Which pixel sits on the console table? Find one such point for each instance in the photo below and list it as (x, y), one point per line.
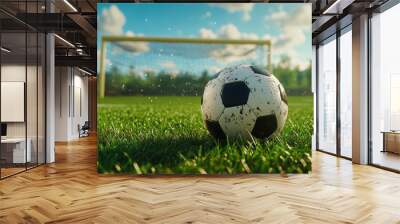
(391, 141)
(13, 150)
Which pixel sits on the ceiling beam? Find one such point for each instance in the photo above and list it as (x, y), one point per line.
(78, 61)
(337, 7)
(83, 23)
(49, 22)
(320, 23)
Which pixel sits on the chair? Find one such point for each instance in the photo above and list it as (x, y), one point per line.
(84, 130)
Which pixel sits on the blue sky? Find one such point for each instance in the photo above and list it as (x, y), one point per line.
(288, 26)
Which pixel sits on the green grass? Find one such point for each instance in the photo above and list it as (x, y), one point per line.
(165, 134)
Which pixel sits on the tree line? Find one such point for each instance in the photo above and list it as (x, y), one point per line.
(118, 83)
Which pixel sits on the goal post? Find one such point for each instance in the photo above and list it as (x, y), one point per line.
(109, 39)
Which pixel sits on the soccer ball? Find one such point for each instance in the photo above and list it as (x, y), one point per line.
(244, 101)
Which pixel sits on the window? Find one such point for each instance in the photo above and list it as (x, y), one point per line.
(22, 77)
(385, 89)
(327, 96)
(346, 93)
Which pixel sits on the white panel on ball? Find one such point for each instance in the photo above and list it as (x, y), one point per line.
(263, 97)
(212, 108)
(238, 121)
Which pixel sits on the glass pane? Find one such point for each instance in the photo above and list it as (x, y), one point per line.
(41, 99)
(80, 103)
(13, 86)
(314, 76)
(327, 97)
(23, 89)
(31, 97)
(386, 89)
(346, 94)
(32, 87)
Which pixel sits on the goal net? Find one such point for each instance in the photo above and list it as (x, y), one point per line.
(168, 66)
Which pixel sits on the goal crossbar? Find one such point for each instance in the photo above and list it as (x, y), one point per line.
(105, 39)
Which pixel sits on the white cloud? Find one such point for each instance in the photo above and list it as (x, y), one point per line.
(277, 16)
(113, 20)
(293, 26)
(233, 53)
(244, 8)
(230, 53)
(230, 31)
(293, 35)
(206, 33)
(134, 47)
(168, 65)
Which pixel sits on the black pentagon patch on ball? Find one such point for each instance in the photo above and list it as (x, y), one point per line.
(283, 94)
(215, 130)
(235, 94)
(265, 126)
(259, 70)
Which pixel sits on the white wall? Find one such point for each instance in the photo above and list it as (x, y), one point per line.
(81, 94)
(70, 83)
(13, 73)
(62, 82)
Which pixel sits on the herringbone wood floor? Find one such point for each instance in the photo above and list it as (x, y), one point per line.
(70, 191)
